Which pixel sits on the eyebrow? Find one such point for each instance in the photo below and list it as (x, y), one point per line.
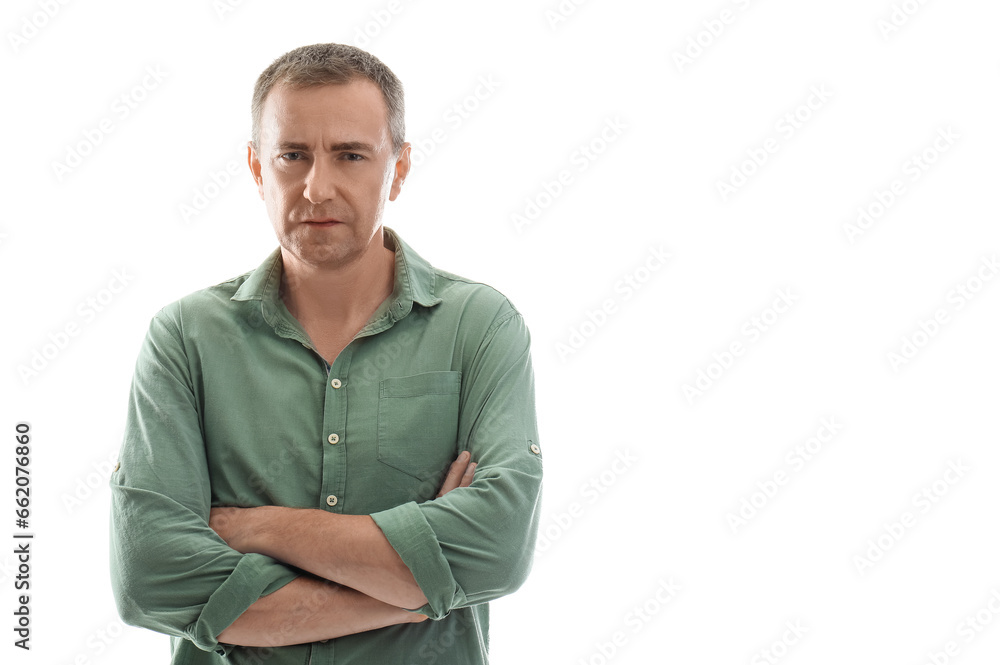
(343, 146)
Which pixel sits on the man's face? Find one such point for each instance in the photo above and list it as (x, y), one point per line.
(325, 169)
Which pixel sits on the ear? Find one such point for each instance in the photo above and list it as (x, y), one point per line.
(402, 170)
(254, 162)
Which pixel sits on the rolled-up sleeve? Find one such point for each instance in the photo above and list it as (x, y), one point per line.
(170, 571)
(475, 544)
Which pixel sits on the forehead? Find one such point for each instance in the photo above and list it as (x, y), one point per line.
(341, 111)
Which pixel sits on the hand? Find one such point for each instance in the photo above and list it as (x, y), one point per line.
(236, 526)
(459, 475)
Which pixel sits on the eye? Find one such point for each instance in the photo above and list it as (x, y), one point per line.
(353, 157)
(292, 156)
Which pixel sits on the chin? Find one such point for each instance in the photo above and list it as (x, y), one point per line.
(329, 255)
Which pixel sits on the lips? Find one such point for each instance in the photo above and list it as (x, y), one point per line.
(323, 221)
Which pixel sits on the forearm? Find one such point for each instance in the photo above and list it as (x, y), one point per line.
(347, 549)
(308, 610)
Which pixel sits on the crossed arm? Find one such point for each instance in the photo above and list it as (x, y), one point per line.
(361, 583)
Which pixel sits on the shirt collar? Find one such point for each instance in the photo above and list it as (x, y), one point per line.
(413, 280)
(414, 275)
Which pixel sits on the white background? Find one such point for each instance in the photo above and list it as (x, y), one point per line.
(611, 532)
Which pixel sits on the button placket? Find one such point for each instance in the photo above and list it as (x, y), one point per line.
(334, 423)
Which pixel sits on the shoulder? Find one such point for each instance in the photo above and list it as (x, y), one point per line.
(208, 305)
(474, 298)
(448, 294)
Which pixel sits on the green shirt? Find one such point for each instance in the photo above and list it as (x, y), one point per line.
(231, 405)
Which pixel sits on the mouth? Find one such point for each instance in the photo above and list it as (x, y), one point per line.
(322, 222)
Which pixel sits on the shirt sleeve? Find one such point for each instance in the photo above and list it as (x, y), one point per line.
(170, 572)
(475, 544)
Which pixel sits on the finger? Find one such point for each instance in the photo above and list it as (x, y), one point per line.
(467, 476)
(455, 472)
(450, 481)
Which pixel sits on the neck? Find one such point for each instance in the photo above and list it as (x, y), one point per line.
(345, 294)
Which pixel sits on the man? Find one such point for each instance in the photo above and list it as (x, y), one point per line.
(332, 458)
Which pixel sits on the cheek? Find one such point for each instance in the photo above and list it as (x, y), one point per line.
(277, 206)
(277, 192)
(384, 187)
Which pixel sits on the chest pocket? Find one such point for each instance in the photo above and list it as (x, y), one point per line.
(418, 422)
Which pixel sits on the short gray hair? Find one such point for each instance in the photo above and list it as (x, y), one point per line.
(324, 64)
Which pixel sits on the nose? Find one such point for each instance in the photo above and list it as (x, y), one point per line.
(319, 185)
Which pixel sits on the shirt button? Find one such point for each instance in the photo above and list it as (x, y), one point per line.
(535, 449)
(333, 438)
(336, 383)
(331, 500)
